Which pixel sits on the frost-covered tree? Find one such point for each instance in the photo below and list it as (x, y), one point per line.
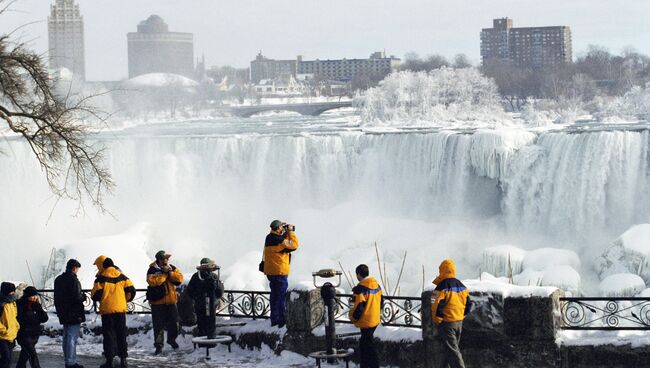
(441, 96)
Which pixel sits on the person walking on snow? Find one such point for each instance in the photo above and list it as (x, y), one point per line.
(277, 258)
(203, 287)
(30, 317)
(9, 325)
(69, 303)
(366, 315)
(112, 289)
(163, 278)
(450, 305)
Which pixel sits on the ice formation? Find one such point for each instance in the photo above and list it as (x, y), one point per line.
(621, 285)
(627, 254)
(503, 260)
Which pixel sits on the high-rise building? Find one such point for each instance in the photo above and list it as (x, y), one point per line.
(154, 49)
(529, 47)
(66, 37)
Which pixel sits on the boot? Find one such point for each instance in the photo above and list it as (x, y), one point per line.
(123, 363)
(174, 345)
(108, 364)
(158, 350)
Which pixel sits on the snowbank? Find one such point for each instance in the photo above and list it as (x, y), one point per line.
(563, 277)
(621, 285)
(509, 290)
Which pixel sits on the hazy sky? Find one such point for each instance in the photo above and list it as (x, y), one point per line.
(233, 31)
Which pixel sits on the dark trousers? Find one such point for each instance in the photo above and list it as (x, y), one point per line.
(279, 285)
(368, 354)
(449, 333)
(28, 352)
(206, 324)
(164, 317)
(5, 353)
(114, 332)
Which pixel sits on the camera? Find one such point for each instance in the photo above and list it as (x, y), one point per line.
(288, 227)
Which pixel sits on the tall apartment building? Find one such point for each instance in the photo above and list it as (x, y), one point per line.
(265, 68)
(533, 47)
(66, 37)
(334, 70)
(154, 49)
(344, 70)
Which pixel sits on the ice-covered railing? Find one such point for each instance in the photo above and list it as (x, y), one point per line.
(603, 313)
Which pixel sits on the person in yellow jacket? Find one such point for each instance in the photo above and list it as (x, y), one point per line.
(451, 303)
(113, 290)
(277, 256)
(9, 325)
(163, 278)
(366, 315)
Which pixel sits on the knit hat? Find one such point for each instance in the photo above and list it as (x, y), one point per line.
(7, 288)
(276, 224)
(30, 291)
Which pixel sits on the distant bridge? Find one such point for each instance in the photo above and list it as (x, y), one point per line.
(312, 109)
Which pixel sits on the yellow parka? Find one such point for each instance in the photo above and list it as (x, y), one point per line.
(169, 280)
(450, 300)
(9, 325)
(366, 310)
(277, 253)
(112, 289)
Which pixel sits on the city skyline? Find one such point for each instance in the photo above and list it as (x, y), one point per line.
(232, 32)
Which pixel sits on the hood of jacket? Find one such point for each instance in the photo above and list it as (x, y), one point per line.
(110, 272)
(446, 270)
(99, 262)
(6, 299)
(369, 282)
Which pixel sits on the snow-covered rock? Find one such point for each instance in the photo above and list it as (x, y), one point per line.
(529, 278)
(627, 254)
(543, 258)
(503, 260)
(621, 285)
(563, 277)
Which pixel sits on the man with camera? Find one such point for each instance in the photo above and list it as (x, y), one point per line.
(163, 278)
(277, 256)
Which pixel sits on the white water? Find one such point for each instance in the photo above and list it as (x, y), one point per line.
(211, 188)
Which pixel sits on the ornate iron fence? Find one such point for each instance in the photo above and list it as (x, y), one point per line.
(605, 313)
(396, 311)
(400, 311)
(245, 304)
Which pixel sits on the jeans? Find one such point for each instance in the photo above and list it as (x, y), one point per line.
(164, 317)
(70, 337)
(279, 285)
(368, 354)
(5, 353)
(28, 352)
(449, 333)
(114, 333)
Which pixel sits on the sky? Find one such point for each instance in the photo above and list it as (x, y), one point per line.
(232, 32)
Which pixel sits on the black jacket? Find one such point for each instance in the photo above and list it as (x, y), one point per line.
(30, 317)
(69, 299)
(204, 284)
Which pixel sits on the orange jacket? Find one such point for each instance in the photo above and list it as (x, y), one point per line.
(112, 289)
(170, 280)
(450, 298)
(366, 311)
(277, 253)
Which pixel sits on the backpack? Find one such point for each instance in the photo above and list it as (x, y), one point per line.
(186, 313)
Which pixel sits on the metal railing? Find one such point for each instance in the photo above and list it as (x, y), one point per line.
(398, 311)
(605, 313)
